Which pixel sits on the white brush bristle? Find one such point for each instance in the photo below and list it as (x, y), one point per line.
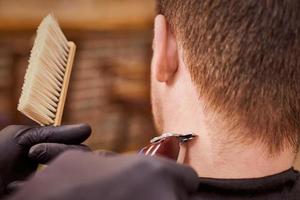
(45, 74)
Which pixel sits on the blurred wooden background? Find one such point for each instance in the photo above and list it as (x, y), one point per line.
(109, 87)
(88, 15)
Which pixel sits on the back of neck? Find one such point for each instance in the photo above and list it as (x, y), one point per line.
(235, 161)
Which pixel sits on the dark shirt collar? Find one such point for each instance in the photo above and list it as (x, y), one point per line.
(273, 182)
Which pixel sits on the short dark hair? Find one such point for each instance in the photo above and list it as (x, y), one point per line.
(244, 58)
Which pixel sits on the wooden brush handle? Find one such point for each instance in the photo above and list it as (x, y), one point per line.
(64, 91)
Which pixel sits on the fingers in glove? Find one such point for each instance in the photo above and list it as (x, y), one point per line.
(68, 134)
(45, 152)
(105, 153)
(14, 186)
(183, 175)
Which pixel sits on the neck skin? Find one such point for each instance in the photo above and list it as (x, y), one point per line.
(238, 162)
(212, 155)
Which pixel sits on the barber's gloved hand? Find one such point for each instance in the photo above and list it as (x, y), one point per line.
(22, 148)
(82, 175)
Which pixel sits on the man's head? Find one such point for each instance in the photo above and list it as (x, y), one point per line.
(243, 61)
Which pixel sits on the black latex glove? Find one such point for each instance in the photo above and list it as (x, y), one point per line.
(22, 148)
(79, 175)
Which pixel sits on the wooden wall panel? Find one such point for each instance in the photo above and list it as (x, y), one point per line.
(89, 15)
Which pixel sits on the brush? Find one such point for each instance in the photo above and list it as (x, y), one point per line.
(48, 74)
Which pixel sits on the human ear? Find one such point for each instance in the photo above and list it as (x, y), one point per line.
(165, 54)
